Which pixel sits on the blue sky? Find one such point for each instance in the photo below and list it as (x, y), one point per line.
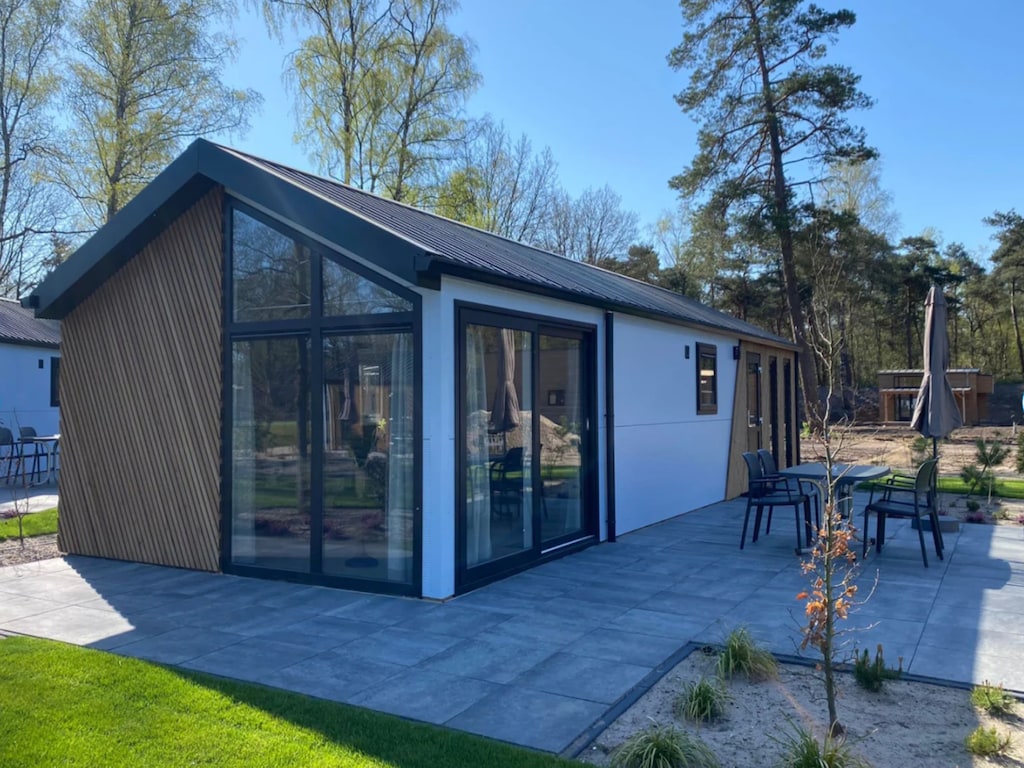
(589, 79)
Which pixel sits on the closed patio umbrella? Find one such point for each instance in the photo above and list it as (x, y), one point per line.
(505, 408)
(936, 413)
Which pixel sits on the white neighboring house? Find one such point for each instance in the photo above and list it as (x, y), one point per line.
(29, 370)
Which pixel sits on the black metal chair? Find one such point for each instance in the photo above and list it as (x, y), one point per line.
(812, 489)
(778, 491)
(10, 458)
(899, 498)
(507, 483)
(31, 451)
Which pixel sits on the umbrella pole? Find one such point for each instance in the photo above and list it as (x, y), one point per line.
(935, 447)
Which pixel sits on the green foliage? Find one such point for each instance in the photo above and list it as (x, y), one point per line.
(663, 747)
(379, 88)
(987, 742)
(72, 706)
(702, 701)
(988, 456)
(801, 749)
(143, 79)
(29, 46)
(920, 451)
(741, 655)
(871, 675)
(32, 524)
(992, 699)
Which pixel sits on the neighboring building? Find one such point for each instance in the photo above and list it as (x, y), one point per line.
(897, 393)
(29, 370)
(273, 374)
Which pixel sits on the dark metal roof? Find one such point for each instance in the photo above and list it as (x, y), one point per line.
(20, 326)
(414, 245)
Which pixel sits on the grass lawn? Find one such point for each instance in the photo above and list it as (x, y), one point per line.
(1005, 488)
(69, 706)
(34, 524)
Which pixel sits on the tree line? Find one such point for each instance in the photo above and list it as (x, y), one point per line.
(782, 218)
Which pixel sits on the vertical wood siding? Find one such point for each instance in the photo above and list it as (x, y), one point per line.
(141, 403)
(736, 478)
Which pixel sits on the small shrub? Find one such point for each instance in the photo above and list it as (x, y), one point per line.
(702, 701)
(972, 505)
(987, 742)
(871, 675)
(741, 655)
(975, 517)
(801, 749)
(920, 451)
(992, 699)
(663, 747)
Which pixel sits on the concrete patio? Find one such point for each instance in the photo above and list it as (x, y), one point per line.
(537, 658)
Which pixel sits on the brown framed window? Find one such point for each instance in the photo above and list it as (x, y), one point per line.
(707, 378)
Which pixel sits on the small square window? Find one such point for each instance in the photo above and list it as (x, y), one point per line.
(707, 378)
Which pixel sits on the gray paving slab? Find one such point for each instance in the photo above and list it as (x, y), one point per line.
(179, 645)
(535, 719)
(399, 646)
(72, 624)
(583, 677)
(491, 657)
(333, 675)
(426, 695)
(627, 647)
(253, 659)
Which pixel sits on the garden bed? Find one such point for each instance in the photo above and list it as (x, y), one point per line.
(906, 724)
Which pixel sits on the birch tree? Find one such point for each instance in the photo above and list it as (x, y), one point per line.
(144, 78)
(29, 31)
(380, 87)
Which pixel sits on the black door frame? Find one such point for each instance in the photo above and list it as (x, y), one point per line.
(315, 328)
(474, 314)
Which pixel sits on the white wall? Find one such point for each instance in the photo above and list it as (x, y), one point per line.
(668, 460)
(439, 392)
(25, 389)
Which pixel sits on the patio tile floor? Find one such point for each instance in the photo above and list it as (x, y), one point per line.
(537, 658)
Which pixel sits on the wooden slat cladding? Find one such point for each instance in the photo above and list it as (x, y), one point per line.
(140, 395)
(736, 477)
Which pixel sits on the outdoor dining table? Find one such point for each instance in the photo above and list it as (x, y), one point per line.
(846, 476)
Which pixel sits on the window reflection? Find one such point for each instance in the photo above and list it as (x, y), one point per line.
(270, 454)
(349, 293)
(270, 272)
(368, 456)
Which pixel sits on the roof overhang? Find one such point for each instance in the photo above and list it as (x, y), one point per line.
(201, 167)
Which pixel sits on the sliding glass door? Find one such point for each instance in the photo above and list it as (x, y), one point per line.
(524, 447)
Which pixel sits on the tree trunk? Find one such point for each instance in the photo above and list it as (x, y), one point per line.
(1016, 323)
(781, 223)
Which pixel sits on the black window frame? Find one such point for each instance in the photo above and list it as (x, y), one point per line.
(315, 328)
(55, 382)
(707, 351)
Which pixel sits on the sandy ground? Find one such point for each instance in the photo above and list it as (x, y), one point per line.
(906, 724)
(14, 552)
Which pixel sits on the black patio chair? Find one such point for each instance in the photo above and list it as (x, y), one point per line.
(810, 487)
(9, 455)
(778, 491)
(899, 498)
(31, 453)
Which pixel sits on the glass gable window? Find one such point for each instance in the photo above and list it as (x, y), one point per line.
(270, 272)
(348, 293)
(707, 378)
(322, 436)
